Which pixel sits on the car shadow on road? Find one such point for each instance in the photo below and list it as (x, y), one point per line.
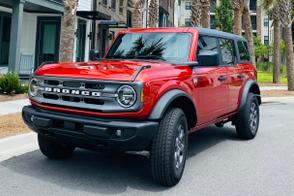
(105, 173)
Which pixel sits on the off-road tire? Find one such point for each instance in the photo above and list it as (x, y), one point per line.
(166, 170)
(53, 149)
(247, 120)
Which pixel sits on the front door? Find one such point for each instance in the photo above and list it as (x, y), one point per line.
(81, 40)
(5, 26)
(48, 37)
(212, 89)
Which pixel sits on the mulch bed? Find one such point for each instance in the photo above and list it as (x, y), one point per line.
(12, 124)
(4, 97)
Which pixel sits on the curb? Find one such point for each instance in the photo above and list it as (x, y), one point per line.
(17, 145)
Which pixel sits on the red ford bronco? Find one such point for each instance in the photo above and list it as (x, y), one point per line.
(150, 90)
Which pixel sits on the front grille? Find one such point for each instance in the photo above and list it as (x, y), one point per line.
(82, 94)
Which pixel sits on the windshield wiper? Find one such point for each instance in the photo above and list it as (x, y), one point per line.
(155, 57)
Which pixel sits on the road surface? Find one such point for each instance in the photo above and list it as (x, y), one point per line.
(218, 164)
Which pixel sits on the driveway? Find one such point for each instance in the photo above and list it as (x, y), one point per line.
(218, 164)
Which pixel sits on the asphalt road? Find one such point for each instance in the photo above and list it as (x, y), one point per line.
(218, 164)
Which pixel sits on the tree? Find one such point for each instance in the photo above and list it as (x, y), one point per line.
(205, 13)
(153, 13)
(286, 13)
(68, 30)
(137, 6)
(224, 16)
(248, 28)
(237, 9)
(196, 13)
(272, 10)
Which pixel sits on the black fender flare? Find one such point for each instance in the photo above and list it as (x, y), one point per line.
(248, 87)
(164, 102)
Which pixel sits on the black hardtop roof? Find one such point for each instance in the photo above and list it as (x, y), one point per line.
(221, 34)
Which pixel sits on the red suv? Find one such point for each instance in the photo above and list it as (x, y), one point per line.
(151, 89)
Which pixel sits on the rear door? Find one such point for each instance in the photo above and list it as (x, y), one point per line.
(230, 60)
(212, 91)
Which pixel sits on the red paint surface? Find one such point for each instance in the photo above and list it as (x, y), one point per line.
(213, 99)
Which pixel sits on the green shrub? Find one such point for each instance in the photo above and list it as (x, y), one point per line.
(10, 83)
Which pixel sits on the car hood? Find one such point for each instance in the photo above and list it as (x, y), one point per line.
(122, 70)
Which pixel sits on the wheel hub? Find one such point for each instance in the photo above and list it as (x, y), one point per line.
(253, 118)
(179, 146)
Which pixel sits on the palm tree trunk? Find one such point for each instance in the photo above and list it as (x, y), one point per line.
(248, 30)
(277, 55)
(289, 57)
(196, 13)
(237, 28)
(205, 14)
(68, 31)
(153, 13)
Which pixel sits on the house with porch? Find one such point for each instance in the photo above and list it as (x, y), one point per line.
(29, 33)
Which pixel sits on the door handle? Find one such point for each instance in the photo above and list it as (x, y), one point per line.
(222, 78)
(240, 76)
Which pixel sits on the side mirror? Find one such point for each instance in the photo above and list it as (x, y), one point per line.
(94, 54)
(208, 58)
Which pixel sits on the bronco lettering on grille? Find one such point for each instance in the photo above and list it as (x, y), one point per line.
(72, 91)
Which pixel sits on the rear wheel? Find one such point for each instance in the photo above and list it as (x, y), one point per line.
(169, 148)
(53, 149)
(247, 121)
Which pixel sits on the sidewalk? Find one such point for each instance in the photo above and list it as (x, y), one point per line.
(8, 107)
(269, 88)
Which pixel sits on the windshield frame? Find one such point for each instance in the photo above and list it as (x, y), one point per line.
(188, 56)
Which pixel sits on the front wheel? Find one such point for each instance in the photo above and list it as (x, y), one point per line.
(53, 149)
(247, 121)
(169, 148)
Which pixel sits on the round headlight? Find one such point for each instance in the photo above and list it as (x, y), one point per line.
(33, 87)
(126, 96)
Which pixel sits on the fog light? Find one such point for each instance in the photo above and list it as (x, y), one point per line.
(118, 133)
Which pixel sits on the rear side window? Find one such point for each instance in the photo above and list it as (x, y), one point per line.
(207, 43)
(227, 52)
(243, 51)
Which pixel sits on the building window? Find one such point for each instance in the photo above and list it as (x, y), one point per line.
(104, 2)
(265, 22)
(121, 6)
(253, 22)
(129, 18)
(113, 4)
(188, 22)
(212, 5)
(266, 40)
(252, 5)
(188, 5)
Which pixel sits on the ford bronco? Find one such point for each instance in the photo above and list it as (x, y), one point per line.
(151, 89)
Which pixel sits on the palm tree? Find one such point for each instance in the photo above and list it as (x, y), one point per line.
(153, 13)
(196, 13)
(285, 12)
(272, 10)
(248, 28)
(205, 14)
(237, 9)
(68, 30)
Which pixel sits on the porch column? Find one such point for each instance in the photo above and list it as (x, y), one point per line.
(15, 36)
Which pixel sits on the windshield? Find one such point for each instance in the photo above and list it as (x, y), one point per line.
(157, 46)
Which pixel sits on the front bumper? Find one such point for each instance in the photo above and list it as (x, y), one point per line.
(90, 132)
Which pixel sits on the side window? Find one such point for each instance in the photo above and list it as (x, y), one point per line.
(243, 51)
(228, 52)
(207, 43)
